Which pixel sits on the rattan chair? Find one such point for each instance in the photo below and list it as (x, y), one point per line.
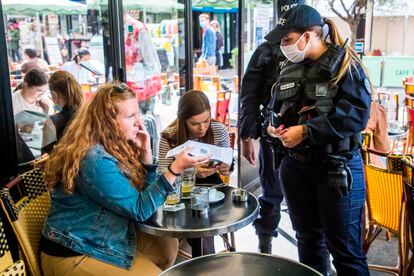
(27, 214)
(7, 266)
(408, 182)
(385, 204)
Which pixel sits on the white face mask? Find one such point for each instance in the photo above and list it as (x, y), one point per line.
(292, 53)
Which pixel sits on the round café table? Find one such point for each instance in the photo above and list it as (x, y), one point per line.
(240, 264)
(223, 217)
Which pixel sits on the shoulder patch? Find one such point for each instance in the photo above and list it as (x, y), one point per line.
(367, 85)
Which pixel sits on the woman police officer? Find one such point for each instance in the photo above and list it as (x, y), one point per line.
(321, 103)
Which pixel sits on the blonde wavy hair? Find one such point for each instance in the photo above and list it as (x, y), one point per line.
(95, 123)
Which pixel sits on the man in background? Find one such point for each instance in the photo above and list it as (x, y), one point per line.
(208, 49)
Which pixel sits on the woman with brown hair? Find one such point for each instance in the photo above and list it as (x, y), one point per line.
(194, 123)
(67, 96)
(31, 94)
(103, 181)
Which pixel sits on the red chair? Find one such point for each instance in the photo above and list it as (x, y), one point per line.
(222, 107)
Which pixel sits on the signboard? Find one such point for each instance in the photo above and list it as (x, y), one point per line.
(359, 47)
(374, 67)
(395, 69)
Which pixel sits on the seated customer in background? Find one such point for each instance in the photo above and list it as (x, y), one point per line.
(67, 96)
(31, 95)
(103, 181)
(74, 67)
(378, 126)
(194, 123)
(33, 61)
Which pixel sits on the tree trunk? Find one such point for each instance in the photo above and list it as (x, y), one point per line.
(353, 28)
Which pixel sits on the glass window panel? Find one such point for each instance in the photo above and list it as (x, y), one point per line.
(48, 38)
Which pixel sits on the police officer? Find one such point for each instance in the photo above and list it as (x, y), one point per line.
(260, 75)
(321, 103)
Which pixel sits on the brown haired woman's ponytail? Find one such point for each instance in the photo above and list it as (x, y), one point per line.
(65, 84)
(74, 93)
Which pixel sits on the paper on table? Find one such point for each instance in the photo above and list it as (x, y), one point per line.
(224, 155)
(26, 117)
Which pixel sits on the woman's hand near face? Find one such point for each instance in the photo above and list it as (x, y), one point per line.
(143, 143)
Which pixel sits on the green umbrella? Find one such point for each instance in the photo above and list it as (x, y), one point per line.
(31, 8)
(152, 6)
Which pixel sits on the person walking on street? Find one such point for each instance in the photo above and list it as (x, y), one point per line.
(208, 48)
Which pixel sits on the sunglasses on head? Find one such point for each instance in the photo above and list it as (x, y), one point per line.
(120, 87)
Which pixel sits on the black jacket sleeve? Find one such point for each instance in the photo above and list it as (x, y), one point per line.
(352, 106)
(253, 91)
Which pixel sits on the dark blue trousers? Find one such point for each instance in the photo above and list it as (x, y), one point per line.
(323, 220)
(271, 197)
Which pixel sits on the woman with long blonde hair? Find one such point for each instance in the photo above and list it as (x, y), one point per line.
(320, 105)
(103, 180)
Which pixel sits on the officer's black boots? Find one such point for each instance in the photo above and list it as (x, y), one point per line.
(265, 244)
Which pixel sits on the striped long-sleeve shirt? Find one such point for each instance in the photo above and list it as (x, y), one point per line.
(221, 139)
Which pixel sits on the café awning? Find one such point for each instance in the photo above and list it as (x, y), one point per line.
(152, 6)
(33, 7)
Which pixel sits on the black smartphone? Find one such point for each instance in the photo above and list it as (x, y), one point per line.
(273, 119)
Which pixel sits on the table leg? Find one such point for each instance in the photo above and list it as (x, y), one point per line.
(197, 247)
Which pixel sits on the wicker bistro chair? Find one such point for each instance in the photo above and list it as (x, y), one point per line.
(27, 214)
(384, 202)
(7, 266)
(408, 187)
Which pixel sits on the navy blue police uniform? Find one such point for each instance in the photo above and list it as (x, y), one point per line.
(261, 74)
(322, 177)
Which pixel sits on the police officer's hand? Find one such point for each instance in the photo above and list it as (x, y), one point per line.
(248, 151)
(292, 136)
(276, 132)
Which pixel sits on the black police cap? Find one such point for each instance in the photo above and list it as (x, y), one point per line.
(284, 5)
(299, 17)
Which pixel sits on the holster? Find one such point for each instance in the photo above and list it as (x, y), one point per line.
(339, 176)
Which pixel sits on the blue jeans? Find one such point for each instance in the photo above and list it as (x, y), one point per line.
(323, 220)
(272, 196)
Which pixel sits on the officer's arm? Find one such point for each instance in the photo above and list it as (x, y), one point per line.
(351, 111)
(253, 88)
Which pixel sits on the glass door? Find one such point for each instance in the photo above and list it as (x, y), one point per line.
(41, 40)
(154, 55)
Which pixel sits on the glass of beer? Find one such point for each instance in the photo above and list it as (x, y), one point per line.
(173, 197)
(188, 177)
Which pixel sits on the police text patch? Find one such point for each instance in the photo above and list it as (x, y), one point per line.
(287, 86)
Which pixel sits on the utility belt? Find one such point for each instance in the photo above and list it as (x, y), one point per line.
(338, 175)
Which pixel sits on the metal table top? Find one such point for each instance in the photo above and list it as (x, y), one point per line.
(240, 263)
(223, 217)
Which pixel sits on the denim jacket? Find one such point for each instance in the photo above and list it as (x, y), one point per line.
(99, 218)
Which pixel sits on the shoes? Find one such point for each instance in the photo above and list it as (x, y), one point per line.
(265, 244)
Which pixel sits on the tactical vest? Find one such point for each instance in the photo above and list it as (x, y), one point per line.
(301, 93)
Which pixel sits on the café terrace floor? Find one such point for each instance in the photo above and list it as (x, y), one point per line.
(382, 252)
